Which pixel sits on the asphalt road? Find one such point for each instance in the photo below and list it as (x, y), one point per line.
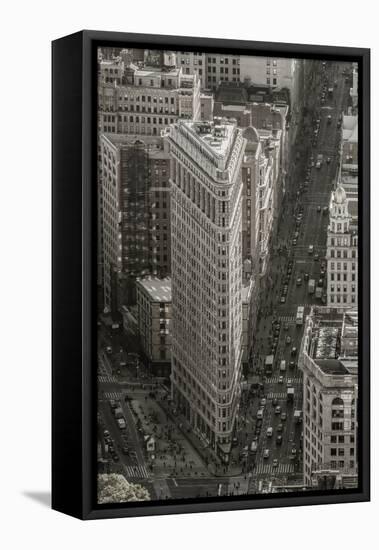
(312, 231)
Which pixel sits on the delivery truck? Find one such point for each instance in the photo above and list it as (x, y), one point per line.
(311, 286)
(118, 412)
(290, 394)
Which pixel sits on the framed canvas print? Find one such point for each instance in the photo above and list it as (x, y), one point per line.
(210, 274)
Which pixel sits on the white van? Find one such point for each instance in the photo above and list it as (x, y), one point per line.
(282, 366)
(269, 432)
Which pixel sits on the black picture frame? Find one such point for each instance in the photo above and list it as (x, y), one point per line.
(74, 91)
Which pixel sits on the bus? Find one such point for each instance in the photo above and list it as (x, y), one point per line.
(300, 315)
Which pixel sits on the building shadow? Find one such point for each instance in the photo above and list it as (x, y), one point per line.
(42, 497)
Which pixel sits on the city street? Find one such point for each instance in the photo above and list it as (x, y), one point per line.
(292, 265)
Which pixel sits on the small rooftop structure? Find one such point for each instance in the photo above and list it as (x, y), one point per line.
(216, 134)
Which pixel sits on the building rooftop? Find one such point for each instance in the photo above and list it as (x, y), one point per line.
(333, 342)
(236, 108)
(232, 93)
(217, 135)
(153, 71)
(155, 143)
(326, 333)
(349, 336)
(325, 348)
(331, 366)
(159, 290)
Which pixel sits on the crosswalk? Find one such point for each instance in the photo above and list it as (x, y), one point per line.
(115, 395)
(275, 380)
(263, 469)
(136, 472)
(277, 395)
(107, 378)
(287, 318)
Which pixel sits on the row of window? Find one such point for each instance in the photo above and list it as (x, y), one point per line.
(342, 266)
(223, 60)
(342, 253)
(342, 299)
(334, 451)
(337, 277)
(343, 289)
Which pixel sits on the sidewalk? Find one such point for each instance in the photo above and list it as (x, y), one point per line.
(210, 460)
(173, 455)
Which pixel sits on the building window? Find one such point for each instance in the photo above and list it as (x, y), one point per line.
(337, 426)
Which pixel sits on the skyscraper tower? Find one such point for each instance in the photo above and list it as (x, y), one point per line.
(342, 253)
(206, 270)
